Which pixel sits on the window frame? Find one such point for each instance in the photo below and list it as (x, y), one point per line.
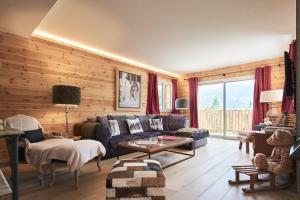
(164, 83)
(224, 82)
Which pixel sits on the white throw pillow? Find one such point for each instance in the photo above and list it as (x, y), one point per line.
(134, 126)
(114, 126)
(156, 124)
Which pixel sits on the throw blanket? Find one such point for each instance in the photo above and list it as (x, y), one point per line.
(75, 153)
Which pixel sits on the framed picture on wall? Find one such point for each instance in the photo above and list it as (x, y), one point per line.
(128, 89)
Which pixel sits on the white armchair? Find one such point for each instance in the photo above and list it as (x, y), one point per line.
(44, 154)
(27, 123)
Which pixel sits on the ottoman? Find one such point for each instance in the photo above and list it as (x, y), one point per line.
(199, 136)
(135, 179)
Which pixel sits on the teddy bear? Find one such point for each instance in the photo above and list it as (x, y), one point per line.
(279, 162)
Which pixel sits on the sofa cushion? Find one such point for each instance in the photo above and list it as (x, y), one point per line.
(176, 122)
(134, 126)
(156, 124)
(114, 127)
(144, 119)
(103, 119)
(165, 120)
(121, 121)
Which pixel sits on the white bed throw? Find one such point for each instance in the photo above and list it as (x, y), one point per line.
(75, 153)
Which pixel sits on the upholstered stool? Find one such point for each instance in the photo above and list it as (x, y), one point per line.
(245, 137)
(135, 179)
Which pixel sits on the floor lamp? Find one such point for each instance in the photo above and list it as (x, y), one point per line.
(66, 96)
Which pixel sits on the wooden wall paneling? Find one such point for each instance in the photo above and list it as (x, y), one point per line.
(30, 67)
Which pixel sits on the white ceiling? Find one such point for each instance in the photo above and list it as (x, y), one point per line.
(21, 17)
(179, 36)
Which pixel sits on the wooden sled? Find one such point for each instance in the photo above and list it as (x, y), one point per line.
(253, 174)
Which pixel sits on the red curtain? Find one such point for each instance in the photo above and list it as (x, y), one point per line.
(174, 96)
(193, 96)
(152, 98)
(262, 83)
(289, 92)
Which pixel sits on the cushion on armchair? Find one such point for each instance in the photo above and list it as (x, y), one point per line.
(33, 136)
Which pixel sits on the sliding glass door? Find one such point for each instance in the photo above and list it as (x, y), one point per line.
(225, 107)
(210, 114)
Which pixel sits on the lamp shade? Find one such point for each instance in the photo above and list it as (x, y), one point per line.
(66, 95)
(271, 96)
(182, 103)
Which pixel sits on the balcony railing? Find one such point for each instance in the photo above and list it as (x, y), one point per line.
(236, 120)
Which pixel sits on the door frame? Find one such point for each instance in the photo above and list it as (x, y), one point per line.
(224, 82)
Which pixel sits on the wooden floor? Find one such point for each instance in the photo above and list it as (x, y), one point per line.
(202, 177)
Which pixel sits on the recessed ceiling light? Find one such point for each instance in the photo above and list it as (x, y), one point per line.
(71, 43)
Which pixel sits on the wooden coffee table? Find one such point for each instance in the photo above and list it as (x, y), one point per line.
(158, 144)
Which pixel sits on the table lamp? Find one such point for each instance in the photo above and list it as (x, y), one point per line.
(271, 96)
(67, 96)
(181, 104)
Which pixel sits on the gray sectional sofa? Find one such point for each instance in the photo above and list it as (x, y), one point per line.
(98, 129)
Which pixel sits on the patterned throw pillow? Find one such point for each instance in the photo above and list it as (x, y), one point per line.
(114, 126)
(134, 126)
(156, 124)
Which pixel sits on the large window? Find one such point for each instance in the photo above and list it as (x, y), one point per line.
(226, 106)
(165, 95)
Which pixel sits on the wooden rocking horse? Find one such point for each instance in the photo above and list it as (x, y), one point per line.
(278, 164)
